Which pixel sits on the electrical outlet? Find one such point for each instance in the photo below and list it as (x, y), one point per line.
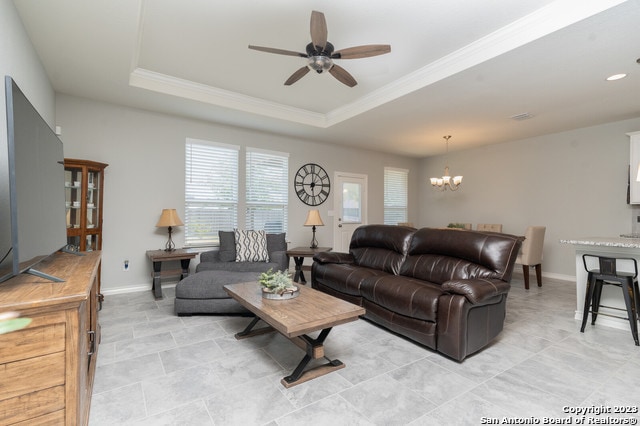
(125, 265)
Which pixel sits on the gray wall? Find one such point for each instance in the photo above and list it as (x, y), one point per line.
(19, 60)
(574, 183)
(145, 153)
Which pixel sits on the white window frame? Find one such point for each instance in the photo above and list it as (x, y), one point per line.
(222, 192)
(267, 190)
(396, 195)
(211, 191)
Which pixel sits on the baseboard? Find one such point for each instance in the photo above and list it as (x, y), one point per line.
(136, 288)
(551, 275)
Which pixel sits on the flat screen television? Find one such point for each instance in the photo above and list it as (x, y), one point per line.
(32, 200)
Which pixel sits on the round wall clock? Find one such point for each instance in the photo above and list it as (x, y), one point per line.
(312, 184)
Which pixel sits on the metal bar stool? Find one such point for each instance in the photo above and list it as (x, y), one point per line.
(607, 274)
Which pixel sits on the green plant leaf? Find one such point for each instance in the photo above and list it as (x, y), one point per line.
(8, 326)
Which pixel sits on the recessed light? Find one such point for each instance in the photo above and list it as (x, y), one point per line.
(616, 77)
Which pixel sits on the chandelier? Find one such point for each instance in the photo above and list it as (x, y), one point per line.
(445, 181)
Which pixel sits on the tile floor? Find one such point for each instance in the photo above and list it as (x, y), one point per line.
(155, 368)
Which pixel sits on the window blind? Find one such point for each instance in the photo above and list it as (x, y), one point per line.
(211, 191)
(267, 179)
(396, 185)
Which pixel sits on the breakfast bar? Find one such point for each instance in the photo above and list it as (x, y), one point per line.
(624, 246)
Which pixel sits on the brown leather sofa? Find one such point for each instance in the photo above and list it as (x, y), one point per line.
(443, 288)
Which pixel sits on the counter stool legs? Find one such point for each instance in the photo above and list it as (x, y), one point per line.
(631, 301)
(607, 274)
(588, 297)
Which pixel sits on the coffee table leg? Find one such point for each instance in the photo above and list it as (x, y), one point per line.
(250, 332)
(315, 350)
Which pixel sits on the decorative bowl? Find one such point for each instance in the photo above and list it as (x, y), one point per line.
(289, 293)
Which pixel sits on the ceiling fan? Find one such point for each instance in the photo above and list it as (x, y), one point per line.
(320, 53)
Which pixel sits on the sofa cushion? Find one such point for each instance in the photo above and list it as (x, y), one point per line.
(343, 277)
(210, 284)
(276, 242)
(380, 246)
(238, 266)
(251, 246)
(406, 296)
(227, 251)
(439, 255)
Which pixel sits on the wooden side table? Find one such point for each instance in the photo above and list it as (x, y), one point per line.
(159, 256)
(298, 254)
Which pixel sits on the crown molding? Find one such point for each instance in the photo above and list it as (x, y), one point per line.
(542, 22)
(169, 85)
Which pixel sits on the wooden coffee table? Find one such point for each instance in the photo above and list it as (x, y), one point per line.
(311, 311)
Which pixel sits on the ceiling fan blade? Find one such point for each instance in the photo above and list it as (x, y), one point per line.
(362, 51)
(342, 75)
(296, 76)
(318, 30)
(278, 51)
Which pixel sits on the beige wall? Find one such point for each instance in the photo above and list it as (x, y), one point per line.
(145, 153)
(574, 183)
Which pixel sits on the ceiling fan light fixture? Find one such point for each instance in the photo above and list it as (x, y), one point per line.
(320, 63)
(320, 53)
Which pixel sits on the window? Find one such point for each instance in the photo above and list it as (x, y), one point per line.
(395, 195)
(267, 178)
(214, 200)
(211, 191)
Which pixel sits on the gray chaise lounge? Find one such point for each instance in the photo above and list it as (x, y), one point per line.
(203, 292)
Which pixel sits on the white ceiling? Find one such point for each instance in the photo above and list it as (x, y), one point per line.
(458, 67)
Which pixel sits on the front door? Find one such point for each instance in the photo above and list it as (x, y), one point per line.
(350, 201)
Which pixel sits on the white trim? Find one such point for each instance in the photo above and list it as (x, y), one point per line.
(211, 143)
(169, 85)
(136, 288)
(267, 151)
(397, 169)
(544, 21)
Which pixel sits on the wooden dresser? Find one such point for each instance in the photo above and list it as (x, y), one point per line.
(47, 368)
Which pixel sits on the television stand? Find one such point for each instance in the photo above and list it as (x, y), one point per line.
(41, 274)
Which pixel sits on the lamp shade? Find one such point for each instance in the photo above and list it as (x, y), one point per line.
(169, 217)
(313, 219)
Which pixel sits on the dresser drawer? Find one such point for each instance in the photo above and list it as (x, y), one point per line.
(21, 377)
(44, 407)
(44, 335)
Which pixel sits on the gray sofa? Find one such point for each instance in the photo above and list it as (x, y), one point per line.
(203, 292)
(224, 259)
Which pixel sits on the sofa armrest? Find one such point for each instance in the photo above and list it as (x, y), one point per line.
(333, 257)
(478, 290)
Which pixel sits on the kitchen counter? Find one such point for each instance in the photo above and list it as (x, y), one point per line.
(623, 246)
(618, 242)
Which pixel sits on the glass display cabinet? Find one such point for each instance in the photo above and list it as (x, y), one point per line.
(84, 188)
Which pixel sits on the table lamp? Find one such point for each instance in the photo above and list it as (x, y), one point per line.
(169, 217)
(313, 220)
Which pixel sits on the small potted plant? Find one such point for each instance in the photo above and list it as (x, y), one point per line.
(277, 285)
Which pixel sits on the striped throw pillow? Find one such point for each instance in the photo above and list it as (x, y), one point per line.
(251, 246)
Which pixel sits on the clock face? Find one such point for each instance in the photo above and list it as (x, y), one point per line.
(312, 184)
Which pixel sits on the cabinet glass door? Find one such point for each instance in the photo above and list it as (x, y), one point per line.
(73, 197)
(93, 199)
